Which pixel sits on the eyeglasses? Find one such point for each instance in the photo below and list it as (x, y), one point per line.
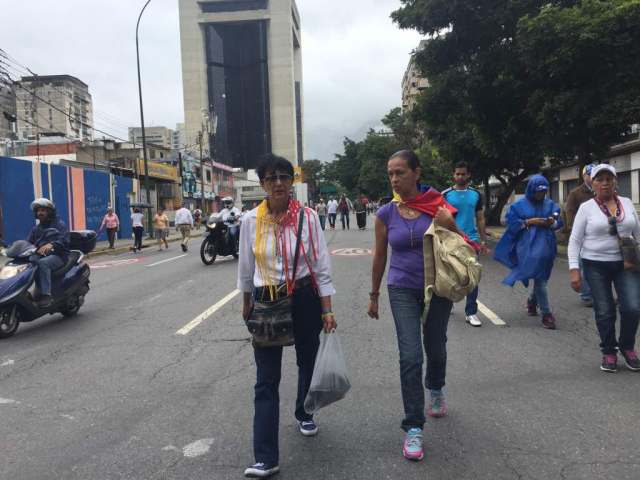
(278, 177)
(613, 226)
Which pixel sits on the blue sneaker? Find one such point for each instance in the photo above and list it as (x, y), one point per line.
(437, 405)
(412, 448)
(308, 428)
(261, 470)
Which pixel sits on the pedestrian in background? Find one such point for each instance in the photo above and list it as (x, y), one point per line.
(321, 210)
(361, 213)
(161, 228)
(577, 197)
(138, 229)
(529, 246)
(595, 239)
(112, 224)
(402, 225)
(197, 218)
(265, 272)
(184, 224)
(470, 219)
(343, 209)
(332, 209)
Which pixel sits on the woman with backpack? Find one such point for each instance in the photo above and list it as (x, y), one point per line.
(401, 225)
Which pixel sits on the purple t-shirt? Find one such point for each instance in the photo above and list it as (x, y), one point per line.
(407, 262)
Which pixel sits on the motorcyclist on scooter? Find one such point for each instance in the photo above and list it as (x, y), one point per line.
(231, 217)
(51, 238)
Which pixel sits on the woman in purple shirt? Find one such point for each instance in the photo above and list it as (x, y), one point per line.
(403, 228)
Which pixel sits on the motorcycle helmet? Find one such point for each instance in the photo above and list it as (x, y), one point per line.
(227, 202)
(43, 203)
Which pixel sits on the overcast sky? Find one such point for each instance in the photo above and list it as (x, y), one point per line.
(353, 56)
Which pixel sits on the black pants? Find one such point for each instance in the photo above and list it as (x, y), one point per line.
(137, 235)
(332, 220)
(111, 235)
(344, 217)
(307, 325)
(361, 218)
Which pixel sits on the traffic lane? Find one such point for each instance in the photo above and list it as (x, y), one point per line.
(101, 372)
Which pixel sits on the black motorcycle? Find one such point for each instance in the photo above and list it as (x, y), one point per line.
(70, 283)
(217, 240)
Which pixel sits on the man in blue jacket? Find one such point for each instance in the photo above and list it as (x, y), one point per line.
(529, 247)
(51, 238)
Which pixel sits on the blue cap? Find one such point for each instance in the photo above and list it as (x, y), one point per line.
(588, 169)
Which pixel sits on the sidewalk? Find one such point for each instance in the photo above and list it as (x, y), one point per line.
(124, 245)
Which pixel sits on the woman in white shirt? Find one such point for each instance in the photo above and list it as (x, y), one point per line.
(138, 229)
(597, 228)
(265, 271)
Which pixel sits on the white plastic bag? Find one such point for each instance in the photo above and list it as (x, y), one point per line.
(329, 382)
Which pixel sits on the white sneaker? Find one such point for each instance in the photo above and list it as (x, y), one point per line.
(474, 321)
(260, 470)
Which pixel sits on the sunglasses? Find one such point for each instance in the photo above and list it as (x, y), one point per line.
(279, 177)
(613, 226)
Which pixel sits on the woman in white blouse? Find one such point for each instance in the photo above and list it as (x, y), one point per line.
(267, 245)
(595, 239)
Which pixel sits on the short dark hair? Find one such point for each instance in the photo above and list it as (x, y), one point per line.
(464, 165)
(273, 163)
(409, 156)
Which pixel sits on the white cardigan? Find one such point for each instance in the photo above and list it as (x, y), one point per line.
(249, 276)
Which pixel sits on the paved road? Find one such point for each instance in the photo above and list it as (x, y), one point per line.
(116, 393)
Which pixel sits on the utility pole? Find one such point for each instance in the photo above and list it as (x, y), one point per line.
(200, 140)
(144, 139)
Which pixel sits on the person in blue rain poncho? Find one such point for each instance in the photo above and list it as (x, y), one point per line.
(529, 245)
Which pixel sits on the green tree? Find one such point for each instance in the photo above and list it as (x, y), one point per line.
(476, 106)
(585, 61)
(374, 152)
(313, 171)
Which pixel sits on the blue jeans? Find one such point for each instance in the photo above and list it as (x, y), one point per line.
(471, 308)
(601, 275)
(323, 221)
(46, 265)
(585, 290)
(407, 306)
(540, 297)
(307, 325)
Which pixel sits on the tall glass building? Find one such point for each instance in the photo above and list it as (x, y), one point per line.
(242, 78)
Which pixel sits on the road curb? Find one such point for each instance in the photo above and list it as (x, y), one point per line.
(128, 248)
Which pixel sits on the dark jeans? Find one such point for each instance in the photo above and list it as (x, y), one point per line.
(332, 220)
(471, 308)
(46, 265)
(307, 325)
(601, 275)
(137, 235)
(111, 235)
(344, 218)
(407, 306)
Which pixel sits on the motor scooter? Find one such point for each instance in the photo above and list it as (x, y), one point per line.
(18, 290)
(217, 240)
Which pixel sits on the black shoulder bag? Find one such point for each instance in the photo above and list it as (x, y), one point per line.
(271, 323)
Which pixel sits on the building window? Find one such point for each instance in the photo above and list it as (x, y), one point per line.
(208, 176)
(233, 6)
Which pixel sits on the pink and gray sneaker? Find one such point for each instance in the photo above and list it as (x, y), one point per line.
(413, 448)
(631, 359)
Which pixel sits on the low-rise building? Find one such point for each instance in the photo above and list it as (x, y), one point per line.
(156, 136)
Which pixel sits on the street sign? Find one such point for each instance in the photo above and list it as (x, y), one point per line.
(351, 252)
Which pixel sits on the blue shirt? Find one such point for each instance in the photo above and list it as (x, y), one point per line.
(468, 202)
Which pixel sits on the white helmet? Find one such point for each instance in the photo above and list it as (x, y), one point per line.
(226, 200)
(42, 203)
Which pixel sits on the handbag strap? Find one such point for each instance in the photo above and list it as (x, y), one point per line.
(296, 256)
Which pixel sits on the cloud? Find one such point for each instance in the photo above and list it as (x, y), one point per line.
(353, 56)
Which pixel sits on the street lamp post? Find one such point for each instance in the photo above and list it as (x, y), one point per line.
(144, 138)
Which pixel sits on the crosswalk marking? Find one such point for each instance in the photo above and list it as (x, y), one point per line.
(491, 315)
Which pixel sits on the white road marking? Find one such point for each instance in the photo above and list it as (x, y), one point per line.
(207, 313)
(167, 260)
(7, 401)
(197, 448)
(7, 363)
(490, 314)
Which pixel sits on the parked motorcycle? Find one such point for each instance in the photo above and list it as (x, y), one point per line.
(217, 240)
(18, 290)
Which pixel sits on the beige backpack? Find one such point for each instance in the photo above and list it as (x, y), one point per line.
(451, 267)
